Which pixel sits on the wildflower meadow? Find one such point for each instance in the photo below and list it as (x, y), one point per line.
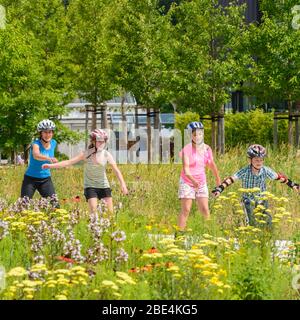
(68, 253)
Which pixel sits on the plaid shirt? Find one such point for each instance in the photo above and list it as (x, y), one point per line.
(250, 180)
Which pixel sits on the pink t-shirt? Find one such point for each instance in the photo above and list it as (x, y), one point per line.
(197, 162)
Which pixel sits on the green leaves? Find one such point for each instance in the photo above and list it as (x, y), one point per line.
(274, 46)
(33, 69)
(205, 57)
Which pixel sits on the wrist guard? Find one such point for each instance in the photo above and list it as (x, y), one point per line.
(219, 189)
(282, 178)
(292, 184)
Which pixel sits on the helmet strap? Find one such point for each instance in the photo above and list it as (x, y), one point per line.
(253, 166)
(197, 144)
(46, 142)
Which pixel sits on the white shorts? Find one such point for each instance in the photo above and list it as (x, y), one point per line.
(186, 191)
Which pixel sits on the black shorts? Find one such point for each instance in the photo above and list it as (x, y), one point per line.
(43, 185)
(99, 193)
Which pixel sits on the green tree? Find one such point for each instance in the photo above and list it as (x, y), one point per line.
(273, 47)
(138, 39)
(34, 82)
(89, 46)
(206, 61)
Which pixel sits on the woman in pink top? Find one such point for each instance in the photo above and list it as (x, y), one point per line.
(192, 185)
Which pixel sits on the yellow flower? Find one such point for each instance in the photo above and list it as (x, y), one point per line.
(173, 269)
(29, 290)
(217, 206)
(206, 235)
(222, 272)
(12, 289)
(38, 267)
(125, 277)
(61, 297)
(17, 272)
(111, 284)
(262, 221)
(256, 241)
(82, 274)
(216, 281)
(61, 211)
(62, 271)
(30, 283)
(116, 294)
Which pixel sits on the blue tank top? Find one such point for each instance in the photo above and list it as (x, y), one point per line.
(35, 166)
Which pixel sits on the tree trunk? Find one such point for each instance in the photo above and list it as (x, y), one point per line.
(136, 115)
(94, 118)
(156, 119)
(104, 122)
(157, 138)
(124, 123)
(26, 149)
(290, 129)
(221, 132)
(149, 135)
(213, 132)
(297, 133)
(13, 157)
(275, 137)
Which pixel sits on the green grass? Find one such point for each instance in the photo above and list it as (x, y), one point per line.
(152, 207)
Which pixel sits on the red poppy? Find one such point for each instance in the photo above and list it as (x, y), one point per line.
(169, 264)
(76, 199)
(65, 259)
(147, 268)
(133, 270)
(152, 250)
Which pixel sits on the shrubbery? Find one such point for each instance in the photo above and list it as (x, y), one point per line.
(253, 126)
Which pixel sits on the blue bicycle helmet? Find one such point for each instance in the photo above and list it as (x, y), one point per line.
(195, 125)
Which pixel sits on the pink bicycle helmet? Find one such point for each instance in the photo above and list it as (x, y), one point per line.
(99, 135)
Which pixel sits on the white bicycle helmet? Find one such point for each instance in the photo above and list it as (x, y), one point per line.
(46, 125)
(256, 150)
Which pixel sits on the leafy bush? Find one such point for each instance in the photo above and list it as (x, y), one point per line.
(254, 126)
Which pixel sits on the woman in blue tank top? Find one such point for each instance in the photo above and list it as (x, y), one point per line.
(41, 152)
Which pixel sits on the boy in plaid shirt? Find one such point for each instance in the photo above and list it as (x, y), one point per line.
(255, 176)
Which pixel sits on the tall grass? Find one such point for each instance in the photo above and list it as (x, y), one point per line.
(216, 270)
